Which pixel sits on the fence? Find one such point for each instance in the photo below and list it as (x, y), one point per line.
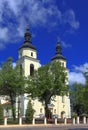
(56, 121)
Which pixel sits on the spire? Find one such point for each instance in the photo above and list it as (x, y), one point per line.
(58, 54)
(27, 35)
(27, 40)
(58, 48)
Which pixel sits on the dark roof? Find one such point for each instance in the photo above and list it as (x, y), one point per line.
(28, 45)
(58, 54)
(27, 41)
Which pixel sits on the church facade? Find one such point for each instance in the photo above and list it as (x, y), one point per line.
(27, 59)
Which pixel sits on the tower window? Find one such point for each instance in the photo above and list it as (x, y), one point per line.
(62, 63)
(31, 53)
(31, 69)
(40, 110)
(63, 99)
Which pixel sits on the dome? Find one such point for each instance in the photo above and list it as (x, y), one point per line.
(27, 42)
(58, 54)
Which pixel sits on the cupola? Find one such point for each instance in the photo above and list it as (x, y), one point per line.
(27, 40)
(58, 54)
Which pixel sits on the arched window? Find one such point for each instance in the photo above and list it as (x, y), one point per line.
(63, 99)
(31, 69)
(62, 114)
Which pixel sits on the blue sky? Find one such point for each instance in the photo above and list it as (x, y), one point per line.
(50, 21)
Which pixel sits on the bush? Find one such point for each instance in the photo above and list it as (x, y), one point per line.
(11, 121)
(1, 114)
(29, 112)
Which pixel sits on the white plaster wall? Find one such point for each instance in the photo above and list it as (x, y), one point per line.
(27, 52)
(58, 105)
(27, 63)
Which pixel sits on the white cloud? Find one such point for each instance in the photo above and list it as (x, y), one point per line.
(14, 5)
(16, 14)
(4, 33)
(65, 45)
(82, 68)
(14, 64)
(75, 77)
(70, 18)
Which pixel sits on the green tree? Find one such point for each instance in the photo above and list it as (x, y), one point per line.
(29, 112)
(47, 82)
(85, 94)
(1, 114)
(77, 98)
(11, 82)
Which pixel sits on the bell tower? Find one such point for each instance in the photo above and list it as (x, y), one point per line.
(58, 55)
(63, 102)
(28, 55)
(27, 59)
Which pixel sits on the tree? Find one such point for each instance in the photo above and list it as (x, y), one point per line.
(85, 94)
(1, 114)
(77, 98)
(29, 112)
(11, 82)
(47, 82)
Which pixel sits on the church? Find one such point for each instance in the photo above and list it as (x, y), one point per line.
(27, 59)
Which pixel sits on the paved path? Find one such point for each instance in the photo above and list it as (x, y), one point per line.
(47, 127)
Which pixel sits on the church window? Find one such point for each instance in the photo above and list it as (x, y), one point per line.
(31, 53)
(54, 110)
(63, 99)
(40, 110)
(31, 69)
(62, 63)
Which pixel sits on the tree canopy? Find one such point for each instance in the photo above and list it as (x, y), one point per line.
(79, 97)
(47, 82)
(11, 82)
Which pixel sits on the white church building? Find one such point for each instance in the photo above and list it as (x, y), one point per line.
(27, 59)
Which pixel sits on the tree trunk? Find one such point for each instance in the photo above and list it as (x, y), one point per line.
(46, 110)
(13, 110)
(12, 106)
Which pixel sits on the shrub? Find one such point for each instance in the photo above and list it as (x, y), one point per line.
(1, 114)
(29, 112)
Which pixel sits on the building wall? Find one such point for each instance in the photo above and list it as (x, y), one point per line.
(26, 52)
(59, 106)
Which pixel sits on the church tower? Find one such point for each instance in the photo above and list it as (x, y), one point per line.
(62, 102)
(58, 55)
(27, 59)
(29, 62)
(28, 55)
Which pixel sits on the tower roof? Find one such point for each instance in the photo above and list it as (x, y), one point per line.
(58, 54)
(27, 40)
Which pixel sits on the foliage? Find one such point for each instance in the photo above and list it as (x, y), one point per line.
(77, 99)
(74, 115)
(85, 94)
(47, 82)
(11, 82)
(1, 114)
(29, 112)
